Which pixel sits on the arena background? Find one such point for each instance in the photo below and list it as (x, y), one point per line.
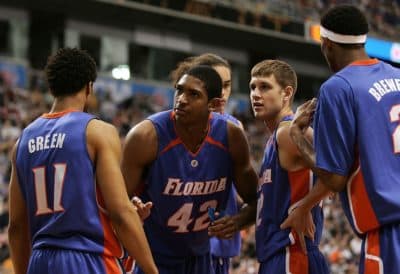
(136, 44)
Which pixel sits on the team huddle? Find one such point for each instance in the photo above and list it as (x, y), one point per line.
(173, 198)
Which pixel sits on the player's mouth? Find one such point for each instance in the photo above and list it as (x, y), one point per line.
(179, 111)
(257, 106)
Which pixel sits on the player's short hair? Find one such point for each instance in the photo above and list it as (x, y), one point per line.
(283, 72)
(210, 78)
(345, 20)
(69, 70)
(206, 59)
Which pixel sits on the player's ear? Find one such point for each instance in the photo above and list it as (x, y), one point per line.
(288, 93)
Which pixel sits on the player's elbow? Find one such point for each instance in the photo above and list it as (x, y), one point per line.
(122, 214)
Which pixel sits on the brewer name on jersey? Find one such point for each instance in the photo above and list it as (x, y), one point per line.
(55, 140)
(176, 187)
(383, 87)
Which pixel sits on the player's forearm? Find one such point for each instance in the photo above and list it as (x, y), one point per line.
(128, 227)
(319, 192)
(332, 181)
(304, 146)
(246, 216)
(20, 247)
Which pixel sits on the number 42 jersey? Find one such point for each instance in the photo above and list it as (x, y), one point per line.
(182, 186)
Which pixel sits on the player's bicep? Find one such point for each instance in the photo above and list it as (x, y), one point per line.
(245, 177)
(140, 149)
(105, 140)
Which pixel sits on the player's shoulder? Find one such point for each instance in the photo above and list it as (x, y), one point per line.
(99, 126)
(283, 128)
(283, 133)
(98, 132)
(144, 132)
(335, 87)
(161, 116)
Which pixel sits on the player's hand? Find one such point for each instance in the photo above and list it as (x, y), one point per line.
(223, 228)
(302, 223)
(304, 114)
(143, 210)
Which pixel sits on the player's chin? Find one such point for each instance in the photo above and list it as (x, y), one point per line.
(258, 114)
(181, 117)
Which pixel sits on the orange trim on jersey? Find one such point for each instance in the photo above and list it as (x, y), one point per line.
(171, 144)
(129, 264)
(297, 261)
(373, 262)
(367, 62)
(299, 184)
(58, 114)
(216, 143)
(111, 265)
(112, 246)
(362, 210)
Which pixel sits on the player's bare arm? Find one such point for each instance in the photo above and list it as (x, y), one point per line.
(299, 126)
(105, 149)
(290, 158)
(245, 179)
(140, 149)
(18, 230)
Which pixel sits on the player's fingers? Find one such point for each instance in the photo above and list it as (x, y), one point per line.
(148, 205)
(285, 224)
(221, 229)
(222, 220)
(302, 242)
(309, 233)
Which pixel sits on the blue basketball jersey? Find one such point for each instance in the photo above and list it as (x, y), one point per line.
(278, 192)
(231, 118)
(221, 247)
(357, 134)
(231, 247)
(183, 185)
(57, 181)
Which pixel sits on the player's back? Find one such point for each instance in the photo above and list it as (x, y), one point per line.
(57, 180)
(183, 185)
(372, 100)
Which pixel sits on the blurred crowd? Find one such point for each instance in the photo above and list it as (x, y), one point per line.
(288, 15)
(18, 107)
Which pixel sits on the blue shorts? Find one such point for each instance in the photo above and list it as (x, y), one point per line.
(294, 261)
(64, 261)
(380, 251)
(181, 265)
(220, 265)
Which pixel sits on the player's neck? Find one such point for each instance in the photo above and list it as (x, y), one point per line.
(273, 123)
(350, 56)
(67, 103)
(192, 135)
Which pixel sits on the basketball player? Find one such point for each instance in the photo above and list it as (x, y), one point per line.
(357, 138)
(284, 177)
(189, 157)
(67, 194)
(221, 249)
